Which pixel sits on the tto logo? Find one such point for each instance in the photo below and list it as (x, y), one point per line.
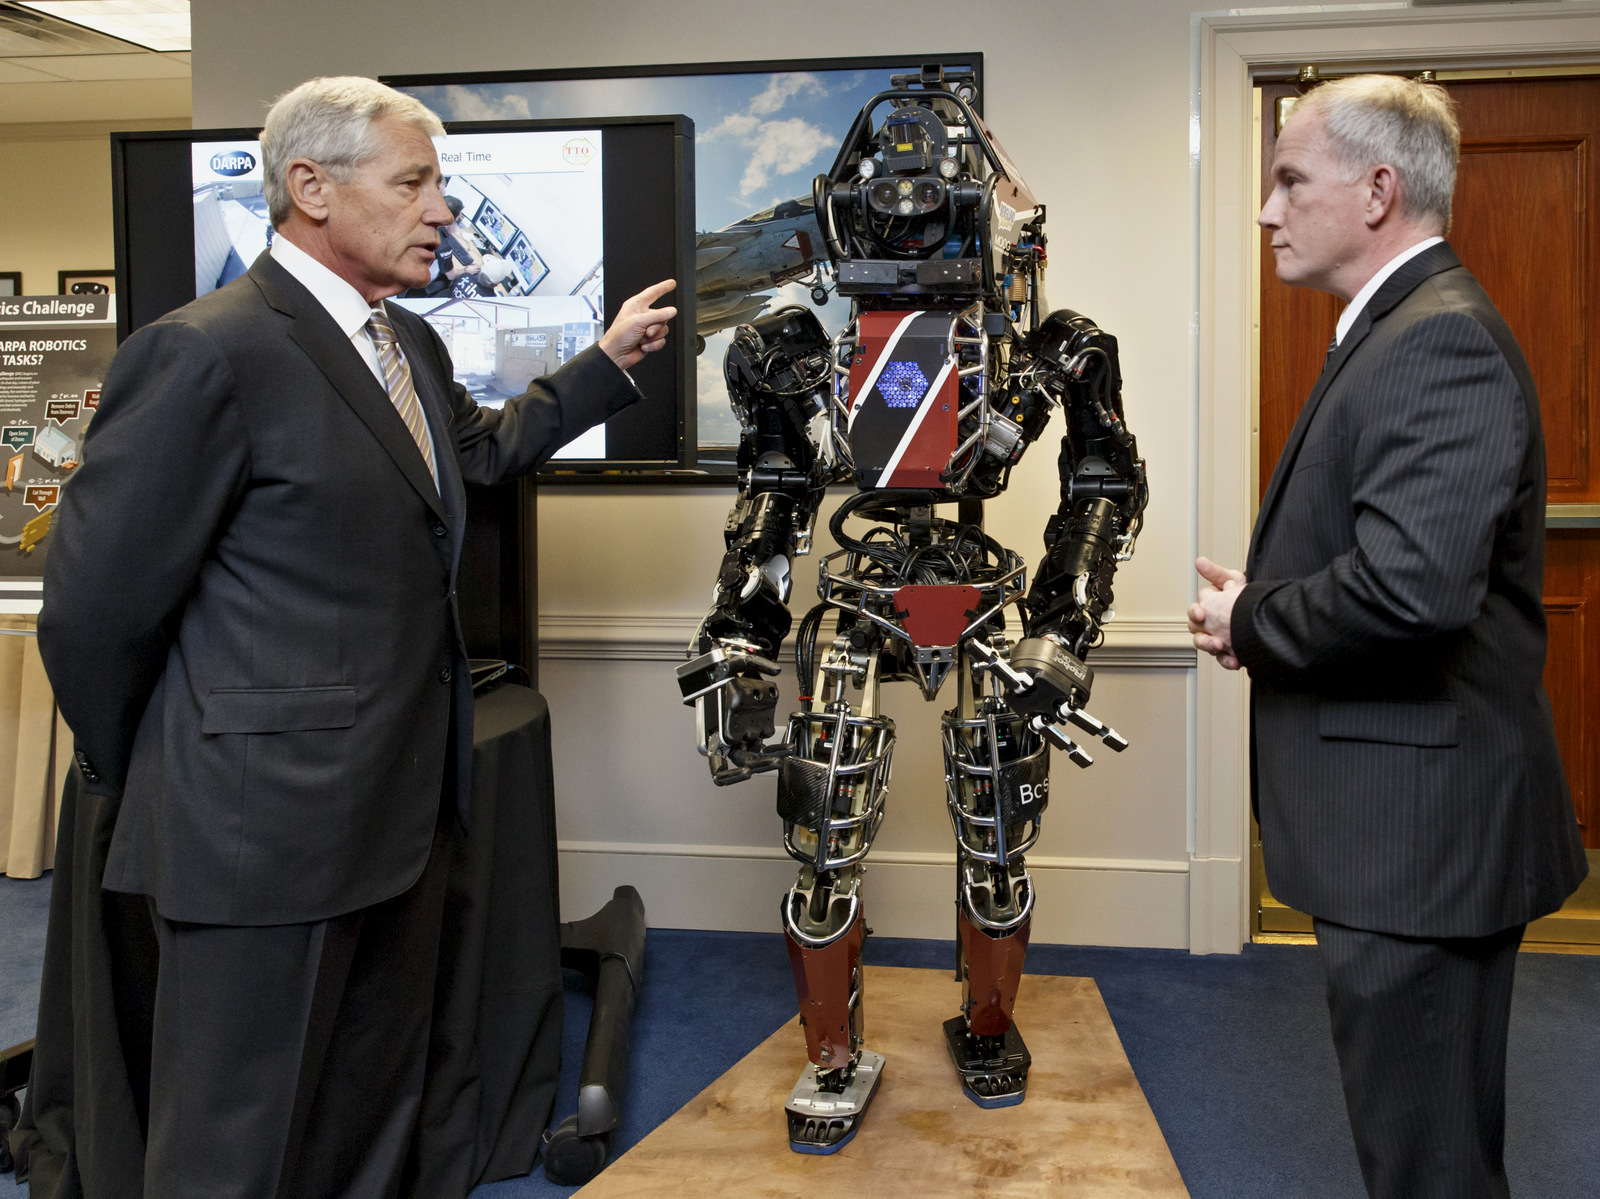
(233, 162)
(579, 151)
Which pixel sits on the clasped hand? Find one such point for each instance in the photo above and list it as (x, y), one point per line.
(1211, 615)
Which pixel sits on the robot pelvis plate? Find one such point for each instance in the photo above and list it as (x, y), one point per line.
(903, 386)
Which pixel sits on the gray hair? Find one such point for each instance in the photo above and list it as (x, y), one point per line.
(330, 121)
(1372, 119)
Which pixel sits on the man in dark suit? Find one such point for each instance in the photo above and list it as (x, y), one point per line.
(1404, 762)
(250, 623)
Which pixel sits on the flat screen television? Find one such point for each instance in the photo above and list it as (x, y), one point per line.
(561, 221)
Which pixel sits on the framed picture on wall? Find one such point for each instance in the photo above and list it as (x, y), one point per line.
(86, 283)
(10, 283)
(763, 132)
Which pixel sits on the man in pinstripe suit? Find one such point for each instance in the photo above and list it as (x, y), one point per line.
(1404, 763)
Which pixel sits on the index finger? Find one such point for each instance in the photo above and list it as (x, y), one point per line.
(1211, 572)
(654, 292)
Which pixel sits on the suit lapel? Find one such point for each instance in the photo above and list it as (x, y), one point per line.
(1395, 288)
(326, 345)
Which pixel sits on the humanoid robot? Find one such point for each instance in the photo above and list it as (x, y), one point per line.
(949, 368)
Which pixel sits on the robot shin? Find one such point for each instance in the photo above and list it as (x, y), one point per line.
(997, 782)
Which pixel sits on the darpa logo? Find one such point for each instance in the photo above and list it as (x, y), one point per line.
(233, 163)
(579, 151)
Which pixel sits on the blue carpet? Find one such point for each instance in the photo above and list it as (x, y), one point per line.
(1233, 1053)
(24, 906)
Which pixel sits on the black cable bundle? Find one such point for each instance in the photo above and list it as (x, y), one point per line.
(971, 556)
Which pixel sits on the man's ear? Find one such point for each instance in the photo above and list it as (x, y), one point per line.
(1383, 194)
(308, 185)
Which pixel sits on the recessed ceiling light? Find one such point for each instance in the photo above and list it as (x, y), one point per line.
(153, 24)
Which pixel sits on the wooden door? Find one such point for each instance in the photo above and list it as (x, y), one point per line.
(1526, 223)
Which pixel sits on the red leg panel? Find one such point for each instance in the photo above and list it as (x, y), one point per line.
(823, 981)
(994, 970)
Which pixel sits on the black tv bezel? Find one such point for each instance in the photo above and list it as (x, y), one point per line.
(607, 471)
(868, 62)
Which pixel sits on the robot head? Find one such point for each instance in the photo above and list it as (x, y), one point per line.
(923, 202)
(910, 184)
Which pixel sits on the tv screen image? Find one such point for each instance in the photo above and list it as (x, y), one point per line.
(493, 222)
(555, 224)
(526, 264)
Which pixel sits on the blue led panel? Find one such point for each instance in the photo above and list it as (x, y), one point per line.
(903, 384)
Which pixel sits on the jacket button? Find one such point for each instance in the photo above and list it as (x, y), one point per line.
(445, 674)
(438, 529)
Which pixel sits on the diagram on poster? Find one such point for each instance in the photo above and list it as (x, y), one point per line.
(54, 351)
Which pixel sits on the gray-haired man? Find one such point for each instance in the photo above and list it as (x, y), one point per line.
(1404, 759)
(249, 621)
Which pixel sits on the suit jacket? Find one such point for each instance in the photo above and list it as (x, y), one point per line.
(1404, 762)
(250, 613)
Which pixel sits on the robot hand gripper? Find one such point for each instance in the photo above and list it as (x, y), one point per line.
(949, 367)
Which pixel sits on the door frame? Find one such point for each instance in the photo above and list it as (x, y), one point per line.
(1228, 50)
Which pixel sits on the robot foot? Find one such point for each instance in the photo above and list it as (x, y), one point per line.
(994, 1070)
(824, 1118)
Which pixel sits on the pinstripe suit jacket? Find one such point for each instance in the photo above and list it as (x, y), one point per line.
(1404, 762)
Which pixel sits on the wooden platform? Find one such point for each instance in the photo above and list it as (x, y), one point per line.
(1084, 1130)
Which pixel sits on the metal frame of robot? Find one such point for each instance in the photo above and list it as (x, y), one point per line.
(940, 246)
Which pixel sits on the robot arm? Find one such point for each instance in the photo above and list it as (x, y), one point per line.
(779, 372)
(1103, 487)
(1069, 361)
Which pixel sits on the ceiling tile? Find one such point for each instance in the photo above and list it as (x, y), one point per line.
(23, 34)
(115, 66)
(12, 71)
(153, 24)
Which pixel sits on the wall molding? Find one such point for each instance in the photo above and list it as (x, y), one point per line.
(1081, 901)
(882, 857)
(636, 637)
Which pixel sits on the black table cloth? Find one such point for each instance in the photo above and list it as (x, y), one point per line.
(495, 1048)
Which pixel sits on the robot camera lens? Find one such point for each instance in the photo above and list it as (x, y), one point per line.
(929, 194)
(882, 195)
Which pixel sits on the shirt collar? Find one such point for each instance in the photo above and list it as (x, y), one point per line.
(1348, 317)
(343, 302)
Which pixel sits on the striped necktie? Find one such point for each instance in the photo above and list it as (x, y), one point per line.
(402, 392)
(1333, 344)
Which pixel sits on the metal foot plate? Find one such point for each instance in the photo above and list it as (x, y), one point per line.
(826, 1121)
(993, 1070)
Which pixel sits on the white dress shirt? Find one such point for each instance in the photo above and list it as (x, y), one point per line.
(347, 308)
(1353, 309)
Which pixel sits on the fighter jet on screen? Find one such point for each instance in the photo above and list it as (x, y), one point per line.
(736, 265)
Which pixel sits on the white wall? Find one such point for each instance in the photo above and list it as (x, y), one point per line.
(1092, 99)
